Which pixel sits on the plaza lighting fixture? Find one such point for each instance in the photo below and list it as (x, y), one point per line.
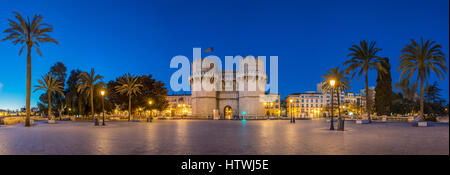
(150, 102)
(103, 106)
(332, 82)
(292, 116)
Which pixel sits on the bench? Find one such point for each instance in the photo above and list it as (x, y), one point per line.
(419, 123)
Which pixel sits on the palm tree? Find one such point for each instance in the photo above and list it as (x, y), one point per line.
(364, 58)
(51, 85)
(29, 34)
(129, 85)
(87, 83)
(422, 58)
(342, 84)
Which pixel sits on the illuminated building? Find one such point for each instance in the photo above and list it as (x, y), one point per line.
(306, 105)
(272, 105)
(232, 94)
(179, 105)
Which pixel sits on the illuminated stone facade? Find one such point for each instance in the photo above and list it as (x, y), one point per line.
(228, 94)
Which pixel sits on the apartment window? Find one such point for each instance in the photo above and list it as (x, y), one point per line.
(303, 105)
(302, 100)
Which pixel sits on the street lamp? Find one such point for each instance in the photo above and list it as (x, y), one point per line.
(103, 106)
(332, 82)
(292, 116)
(150, 103)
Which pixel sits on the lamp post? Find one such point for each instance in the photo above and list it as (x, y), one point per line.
(332, 82)
(103, 106)
(290, 105)
(150, 103)
(271, 110)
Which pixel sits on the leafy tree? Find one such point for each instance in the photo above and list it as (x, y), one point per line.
(434, 104)
(421, 59)
(74, 98)
(433, 93)
(60, 71)
(30, 34)
(383, 95)
(407, 88)
(364, 57)
(51, 85)
(151, 90)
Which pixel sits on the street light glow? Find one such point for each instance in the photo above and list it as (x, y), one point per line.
(332, 82)
(102, 92)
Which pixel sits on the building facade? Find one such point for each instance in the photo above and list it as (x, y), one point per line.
(228, 94)
(179, 105)
(306, 105)
(272, 105)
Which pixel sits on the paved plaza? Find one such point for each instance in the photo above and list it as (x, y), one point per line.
(182, 137)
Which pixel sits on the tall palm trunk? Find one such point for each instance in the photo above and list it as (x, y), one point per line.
(339, 109)
(367, 96)
(49, 105)
(421, 99)
(60, 108)
(79, 105)
(92, 104)
(27, 106)
(129, 108)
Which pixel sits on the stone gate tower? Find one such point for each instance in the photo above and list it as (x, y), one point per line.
(230, 94)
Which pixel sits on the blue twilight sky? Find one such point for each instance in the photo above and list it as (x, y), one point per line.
(141, 37)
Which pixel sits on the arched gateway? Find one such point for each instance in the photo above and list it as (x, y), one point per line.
(228, 112)
(228, 93)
